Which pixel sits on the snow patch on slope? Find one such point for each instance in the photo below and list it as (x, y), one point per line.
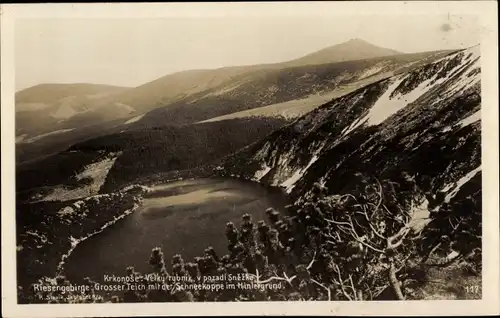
(464, 122)
(69, 106)
(372, 71)
(388, 104)
(36, 138)
(455, 187)
(224, 90)
(64, 112)
(289, 184)
(383, 108)
(134, 119)
(20, 138)
(125, 107)
(419, 215)
(96, 172)
(470, 119)
(259, 174)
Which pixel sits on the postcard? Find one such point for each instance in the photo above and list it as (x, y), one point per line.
(281, 158)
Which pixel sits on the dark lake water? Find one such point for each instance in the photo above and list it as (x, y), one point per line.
(182, 217)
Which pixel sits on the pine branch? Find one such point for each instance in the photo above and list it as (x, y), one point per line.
(321, 285)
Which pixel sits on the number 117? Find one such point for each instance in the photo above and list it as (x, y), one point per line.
(472, 289)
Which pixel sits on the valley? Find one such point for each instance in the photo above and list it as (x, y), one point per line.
(172, 215)
(193, 96)
(334, 169)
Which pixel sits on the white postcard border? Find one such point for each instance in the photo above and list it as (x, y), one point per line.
(486, 10)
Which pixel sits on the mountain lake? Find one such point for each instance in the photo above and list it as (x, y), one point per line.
(182, 217)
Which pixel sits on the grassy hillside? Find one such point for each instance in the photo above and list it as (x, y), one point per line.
(174, 87)
(143, 152)
(49, 93)
(47, 107)
(59, 106)
(168, 148)
(273, 86)
(52, 143)
(193, 96)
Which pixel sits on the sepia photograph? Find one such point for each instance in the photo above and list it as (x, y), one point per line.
(195, 153)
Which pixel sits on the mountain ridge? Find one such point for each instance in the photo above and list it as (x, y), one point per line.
(358, 41)
(318, 121)
(61, 90)
(193, 96)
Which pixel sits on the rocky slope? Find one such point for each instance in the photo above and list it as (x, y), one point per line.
(422, 125)
(404, 155)
(426, 121)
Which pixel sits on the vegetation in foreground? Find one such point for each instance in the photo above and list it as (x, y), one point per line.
(48, 231)
(363, 245)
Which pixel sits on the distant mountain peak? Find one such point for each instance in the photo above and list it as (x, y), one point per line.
(361, 43)
(357, 40)
(353, 49)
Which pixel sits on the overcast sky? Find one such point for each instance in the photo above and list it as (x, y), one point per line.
(130, 52)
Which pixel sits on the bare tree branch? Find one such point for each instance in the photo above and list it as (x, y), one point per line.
(394, 282)
(371, 247)
(337, 222)
(331, 242)
(386, 209)
(380, 195)
(352, 287)
(312, 261)
(401, 235)
(369, 290)
(349, 195)
(355, 235)
(289, 280)
(380, 290)
(341, 283)
(372, 228)
(327, 289)
(270, 279)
